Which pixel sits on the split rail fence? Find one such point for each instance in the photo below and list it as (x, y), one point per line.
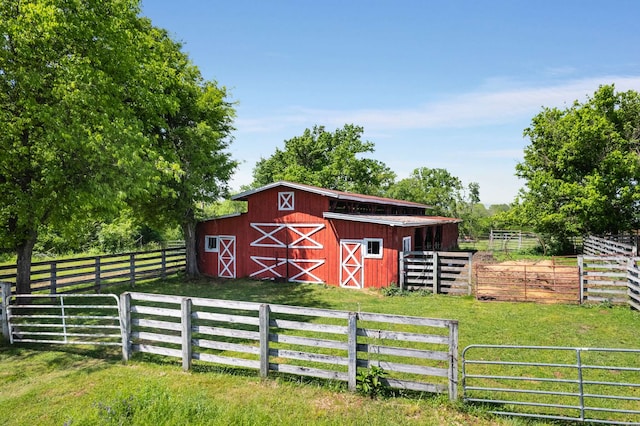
(93, 273)
(436, 271)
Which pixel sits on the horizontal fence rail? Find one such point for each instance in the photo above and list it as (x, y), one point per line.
(594, 385)
(542, 282)
(417, 353)
(597, 246)
(507, 240)
(83, 319)
(633, 291)
(604, 278)
(97, 272)
(436, 271)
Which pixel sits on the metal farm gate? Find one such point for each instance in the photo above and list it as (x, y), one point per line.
(82, 319)
(596, 385)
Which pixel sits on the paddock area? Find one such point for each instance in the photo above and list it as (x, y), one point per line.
(526, 281)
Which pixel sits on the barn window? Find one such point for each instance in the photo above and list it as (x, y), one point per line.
(211, 243)
(374, 248)
(285, 201)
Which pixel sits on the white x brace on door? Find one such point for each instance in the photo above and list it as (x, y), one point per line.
(351, 264)
(271, 235)
(227, 256)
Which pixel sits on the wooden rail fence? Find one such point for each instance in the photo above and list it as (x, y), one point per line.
(93, 273)
(597, 246)
(612, 279)
(418, 354)
(436, 271)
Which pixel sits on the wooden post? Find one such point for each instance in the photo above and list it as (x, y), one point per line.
(470, 282)
(352, 351)
(53, 279)
(5, 292)
(125, 325)
(132, 269)
(581, 278)
(98, 281)
(401, 276)
(453, 360)
(187, 347)
(264, 340)
(436, 273)
(163, 270)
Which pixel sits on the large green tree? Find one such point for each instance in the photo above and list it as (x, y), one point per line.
(195, 137)
(326, 159)
(78, 87)
(582, 167)
(443, 192)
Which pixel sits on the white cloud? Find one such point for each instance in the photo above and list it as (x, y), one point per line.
(472, 109)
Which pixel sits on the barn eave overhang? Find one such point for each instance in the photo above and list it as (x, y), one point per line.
(400, 221)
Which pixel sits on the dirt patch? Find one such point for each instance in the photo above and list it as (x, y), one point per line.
(539, 281)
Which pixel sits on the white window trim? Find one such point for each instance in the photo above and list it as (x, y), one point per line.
(366, 248)
(406, 243)
(206, 244)
(286, 200)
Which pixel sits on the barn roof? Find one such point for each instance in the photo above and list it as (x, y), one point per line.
(340, 195)
(401, 221)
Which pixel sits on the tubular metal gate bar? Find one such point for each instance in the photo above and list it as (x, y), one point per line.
(598, 385)
(64, 319)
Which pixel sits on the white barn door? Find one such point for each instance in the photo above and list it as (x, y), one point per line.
(227, 256)
(351, 264)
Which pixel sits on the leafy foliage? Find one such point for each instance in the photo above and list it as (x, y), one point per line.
(369, 382)
(100, 109)
(326, 159)
(443, 192)
(582, 167)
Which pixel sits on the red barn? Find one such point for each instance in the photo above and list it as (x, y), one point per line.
(303, 233)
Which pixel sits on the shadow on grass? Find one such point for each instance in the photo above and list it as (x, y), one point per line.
(237, 289)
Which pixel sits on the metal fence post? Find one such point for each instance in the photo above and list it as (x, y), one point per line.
(187, 347)
(352, 351)
(264, 340)
(580, 383)
(125, 325)
(5, 292)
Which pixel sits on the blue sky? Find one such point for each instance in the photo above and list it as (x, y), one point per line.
(446, 84)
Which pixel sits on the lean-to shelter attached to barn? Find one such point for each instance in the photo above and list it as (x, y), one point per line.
(303, 233)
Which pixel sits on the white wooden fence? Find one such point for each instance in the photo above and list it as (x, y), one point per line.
(436, 271)
(418, 354)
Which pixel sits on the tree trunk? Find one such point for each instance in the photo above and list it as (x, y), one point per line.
(189, 230)
(24, 250)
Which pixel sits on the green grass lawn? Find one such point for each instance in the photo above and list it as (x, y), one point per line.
(85, 386)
